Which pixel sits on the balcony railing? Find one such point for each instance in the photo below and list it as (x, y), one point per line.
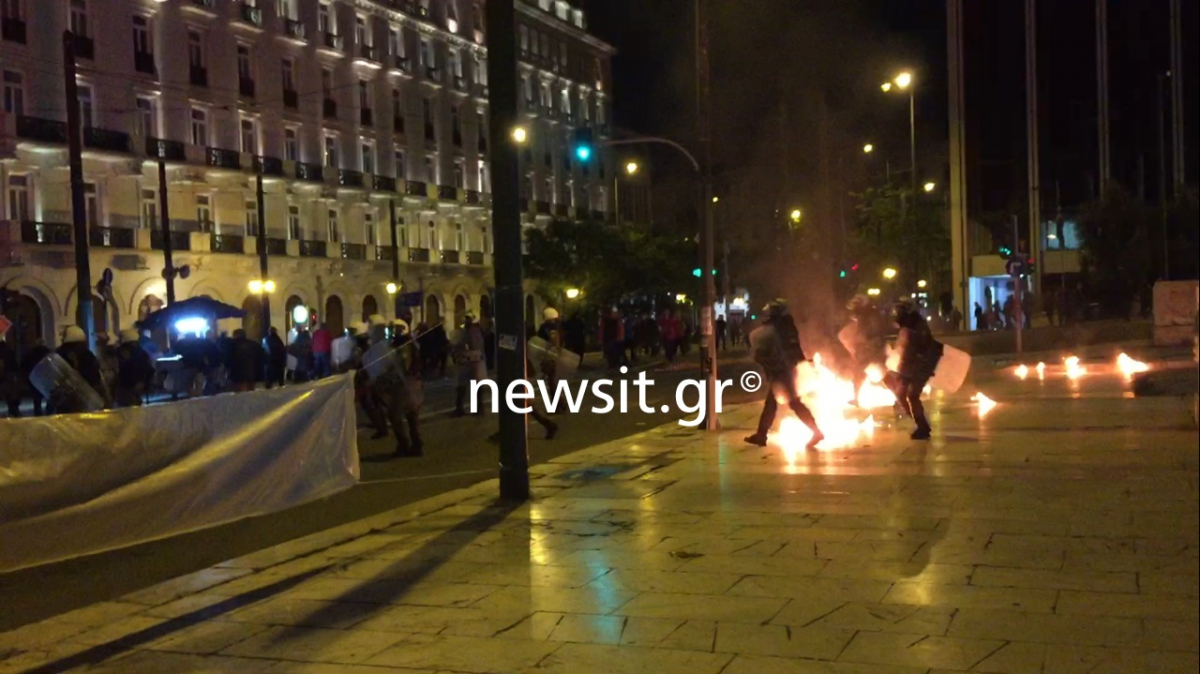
(418, 255)
(401, 63)
(294, 29)
(228, 243)
(13, 30)
(268, 166)
(45, 130)
(432, 73)
(384, 253)
(348, 178)
(310, 172)
(169, 150)
(366, 117)
(143, 62)
(450, 257)
(415, 188)
(460, 83)
(332, 41)
(206, 4)
(447, 193)
(226, 159)
(85, 47)
(251, 15)
(543, 208)
(104, 139)
(313, 249)
(246, 87)
(367, 52)
(472, 197)
(198, 76)
(49, 233)
(291, 98)
(179, 240)
(112, 237)
(383, 183)
(277, 247)
(354, 251)
(330, 108)
(475, 258)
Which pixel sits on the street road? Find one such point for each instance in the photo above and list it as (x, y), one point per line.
(457, 455)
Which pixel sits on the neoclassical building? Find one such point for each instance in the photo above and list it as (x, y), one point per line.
(361, 116)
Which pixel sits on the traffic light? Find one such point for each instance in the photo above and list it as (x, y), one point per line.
(1005, 251)
(583, 144)
(697, 273)
(842, 274)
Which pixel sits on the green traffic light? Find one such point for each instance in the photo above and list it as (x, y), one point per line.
(842, 274)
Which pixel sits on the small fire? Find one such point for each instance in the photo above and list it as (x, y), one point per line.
(1074, 369)
(1022, 371)
(1041, 370)
(986, 404)
(873, 394)
(829, 396)
(1129, 366)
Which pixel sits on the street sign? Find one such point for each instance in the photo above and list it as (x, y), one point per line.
(1015, 268)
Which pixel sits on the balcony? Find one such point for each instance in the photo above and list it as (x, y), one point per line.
(106, 140)
(398, 124)
(384, 253)
(415, 188)
(348, 178)
(204, 4)
(198, 76)
(48, 233)
(383, 183)
(366, 117)
(401, 63)
(330, 109)
(460, 83)
(332, 41)
(313, 249)
(246, 87)
(543, 208)
(112, 237)
(473, 197)
(251, 15)
(447, 193)
(294, 29)
(354, 251)
(311, 172)
(44, 130)
(432, 73)
(13, 30)
(291, 98)
(418, 255)
(226, 159)
(268, 166)
(167, 150)
(475, 258)
(368, 52)
(450, 257)
(85, 47)
(228, 243)
(482, 91)
(277, 247)
(179, 240)
(143, 62)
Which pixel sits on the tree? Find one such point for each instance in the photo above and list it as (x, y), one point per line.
(891, 229)
(1117, 249)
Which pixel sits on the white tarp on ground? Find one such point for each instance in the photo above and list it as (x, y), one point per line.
(84, 483)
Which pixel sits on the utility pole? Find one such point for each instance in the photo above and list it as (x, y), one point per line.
(1018, 283)
(1179, 152)
(165, 215)
(83, 270)
(708, 350)
(506, 221)
(1105, 167)
(959, 230)
(1031, 130)
(265, 298)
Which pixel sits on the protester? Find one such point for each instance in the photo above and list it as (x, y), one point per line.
(669, 333)
(981, 318)
(276, 358)
(74, 350)
(135, 371)
(301, 349)
(390, 386)
(36, 353)
(468, 356)
(322, 352)
(11, 383)
(721, 327)
(245, 362)
(612, 338)
(919, 356)
(777, 350)
(867, 335)
(575, 335)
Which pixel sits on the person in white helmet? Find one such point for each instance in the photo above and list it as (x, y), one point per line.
(75, 351)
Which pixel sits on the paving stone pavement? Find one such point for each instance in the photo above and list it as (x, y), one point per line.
(1056, 535)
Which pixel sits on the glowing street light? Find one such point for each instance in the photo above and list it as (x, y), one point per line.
(921, 283)
(889, 273)
(873, 292)
(886, 86)
(796, 214)
(391, 288)
(572, 293)
(520, 135)
(631, 168)
(903, 80)
(259, 287)
(930, 186)
(868, 148)
(716, 199)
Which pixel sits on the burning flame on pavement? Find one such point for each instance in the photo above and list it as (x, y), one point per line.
(1074, 369)
(1129, 366)
(873, 394)
(1041, 370)
(986, 404)
(1022, 371)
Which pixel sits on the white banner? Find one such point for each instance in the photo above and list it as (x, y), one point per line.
(78, 484)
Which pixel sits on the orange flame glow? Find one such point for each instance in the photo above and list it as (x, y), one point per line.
(1129, 366)
(986, 404)
(1022, 371)
(1041, 370)
(1075, 370)
(829, 396)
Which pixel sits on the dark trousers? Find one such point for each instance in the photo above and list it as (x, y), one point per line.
(787, 384)
(908, 394)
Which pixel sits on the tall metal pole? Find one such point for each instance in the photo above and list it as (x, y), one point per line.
(1018, 284)
(395, 258)
(708, 351)
(959, 231)
(262, 252)
(165, 215)
(1177, 92)
(1105, 163)
(506, 221)
(1031, 129)
(912, 137)
(83, 271)
(1162, 174)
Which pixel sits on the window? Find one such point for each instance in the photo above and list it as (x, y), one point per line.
(455, 131)
(204, 213)
(251, 218)
(460, 237)
(144, 122)
(431, 234)
(523, 37)
(483, 176)
(562, 54)
(364, 95)
(87, 106)
(331, 153)
(486, 238)
(11, 9)
(399, 164)
(288, 72)
(369, 225)
(325, 19)
(18, 197)
(199, 126)
(396, 43)
(398, 111)
(362, 36)
(91, 206)
(294, 222)
(527, 85)
(334, 233)
(429, 173)
(459, 176)
(149, 209)
(141, 35)
(477, 13)
(195, 48)
(566, 102)
(562, 10)
(547, 99)
(244, 62)
(368, 157)
(291, 144)
(79, 18)
(286, 9)
(481, 74)
(451, 17)
(14, 93)
(585, 107)
(426, 54)
(455, 63)
(545, 45)
(427, 118)
(249, 135)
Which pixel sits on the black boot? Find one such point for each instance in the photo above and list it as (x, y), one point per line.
(460, 399)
